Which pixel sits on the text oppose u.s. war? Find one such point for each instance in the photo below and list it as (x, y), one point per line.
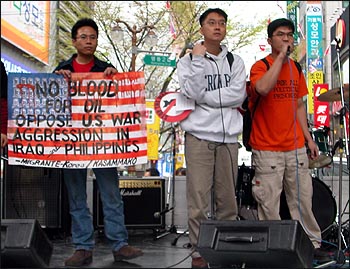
(90, 121)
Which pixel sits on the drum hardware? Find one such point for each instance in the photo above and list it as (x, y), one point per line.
(336, 95)
(324, 205)
(320, 136)
(247, 206)
(331, 234)
(244, 187)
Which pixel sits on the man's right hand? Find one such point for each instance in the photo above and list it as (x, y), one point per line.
(4, 140)
(199, 49)
(66, 73)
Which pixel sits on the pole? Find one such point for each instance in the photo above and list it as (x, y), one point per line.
(134, 31)
(339, 253)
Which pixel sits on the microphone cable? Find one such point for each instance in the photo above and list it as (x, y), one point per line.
(295, 108)
(219, 89)
(215, 145)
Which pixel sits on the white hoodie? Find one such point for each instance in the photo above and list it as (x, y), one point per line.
(217, 92)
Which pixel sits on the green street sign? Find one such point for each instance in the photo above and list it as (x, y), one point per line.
(158, 60)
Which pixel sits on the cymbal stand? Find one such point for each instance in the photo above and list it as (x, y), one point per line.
(343, 127)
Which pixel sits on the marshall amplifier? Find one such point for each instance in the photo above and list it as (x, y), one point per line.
(144, 202)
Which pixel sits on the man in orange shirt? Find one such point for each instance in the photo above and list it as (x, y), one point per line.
(278, 136)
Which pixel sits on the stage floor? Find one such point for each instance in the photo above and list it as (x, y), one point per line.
(164, 252)
(158, 253)
(161, 252)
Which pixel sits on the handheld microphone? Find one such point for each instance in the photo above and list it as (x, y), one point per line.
(158, 214)
(288, 51)
(190, 45)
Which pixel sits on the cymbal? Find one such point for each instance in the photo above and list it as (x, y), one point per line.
(321, 161)
(334, 94)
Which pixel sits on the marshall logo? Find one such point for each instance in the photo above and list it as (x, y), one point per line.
(124, 192)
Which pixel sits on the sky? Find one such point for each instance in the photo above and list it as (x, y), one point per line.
(248, 12)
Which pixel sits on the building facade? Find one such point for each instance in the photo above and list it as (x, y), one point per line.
(35, 35)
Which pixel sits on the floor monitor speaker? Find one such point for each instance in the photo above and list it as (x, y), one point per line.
(24, 244)
(255, 244)
(33, 193)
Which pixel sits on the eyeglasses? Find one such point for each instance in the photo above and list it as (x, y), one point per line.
(85, 37)
(281, 35)
(213, 23)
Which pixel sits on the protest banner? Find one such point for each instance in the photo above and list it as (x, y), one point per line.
(88, 122)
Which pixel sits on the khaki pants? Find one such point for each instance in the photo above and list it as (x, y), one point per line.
(275, 171)
(203, 159)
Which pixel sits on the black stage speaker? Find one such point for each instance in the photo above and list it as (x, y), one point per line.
(24, 244)
(143, 201)
(33, 193)
(262, 244)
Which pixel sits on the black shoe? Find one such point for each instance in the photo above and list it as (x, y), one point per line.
(321, 255)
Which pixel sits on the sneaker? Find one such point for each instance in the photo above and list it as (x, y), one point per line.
(79, 258)
(126, 253)
(199, 262)
(321, 255)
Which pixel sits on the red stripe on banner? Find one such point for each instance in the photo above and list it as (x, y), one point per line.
(110, 101)
(57, 131)
(91, 118)
(51, 143)
(123, 118)
(80, 157)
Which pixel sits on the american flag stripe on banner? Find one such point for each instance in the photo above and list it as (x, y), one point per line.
(90, 122)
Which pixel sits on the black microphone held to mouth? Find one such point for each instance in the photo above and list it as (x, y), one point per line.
(190, 45)
(158, 214)
(288, 51)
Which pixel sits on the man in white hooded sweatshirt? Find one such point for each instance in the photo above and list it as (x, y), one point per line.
(212, 128)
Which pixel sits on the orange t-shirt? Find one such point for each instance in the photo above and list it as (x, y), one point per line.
(275, 126)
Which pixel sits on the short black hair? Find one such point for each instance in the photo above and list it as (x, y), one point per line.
(153, 172)
(212, 10)
(81, 23)
(278, 23)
